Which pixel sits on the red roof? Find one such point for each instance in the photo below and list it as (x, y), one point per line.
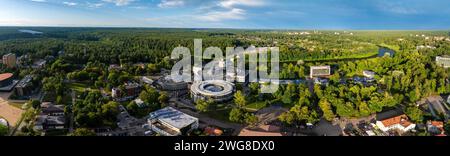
(402, 120)
(5, 76)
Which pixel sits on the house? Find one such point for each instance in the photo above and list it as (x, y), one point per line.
(436, 128)
(140, 103)
(171, 122)
(129, 91)
(400, 122)
(51, 118)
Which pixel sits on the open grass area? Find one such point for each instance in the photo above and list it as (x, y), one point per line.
(393, 47)
(79, 87)
(256, 105)
(16, 104)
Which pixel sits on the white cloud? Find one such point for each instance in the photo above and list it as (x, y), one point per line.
(41, 1)
(233, 3)
(70, 3)
(171, 3)
(399, 8)
(216, 16)
(95, 5)
(228, 10)
(119, 2)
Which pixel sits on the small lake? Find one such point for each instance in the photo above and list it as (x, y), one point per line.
(30, 32)
(383, 51)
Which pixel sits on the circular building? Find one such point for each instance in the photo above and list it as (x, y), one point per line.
(6, 79)
(217, 90)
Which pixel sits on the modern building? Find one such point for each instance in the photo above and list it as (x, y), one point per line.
(400, 123)
(24, 87)
(168, 84)
(320, 71)
(216, 90)
(51, 118)
(6, 79)
(443, 61)
(171, 122)
(9, 60)
(39, 64)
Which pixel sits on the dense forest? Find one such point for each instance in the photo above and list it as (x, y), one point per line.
(84, 54)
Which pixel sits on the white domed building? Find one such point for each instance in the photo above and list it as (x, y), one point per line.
(216, 90)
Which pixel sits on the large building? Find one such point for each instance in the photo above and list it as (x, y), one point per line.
(51, 118)
(216, 90)
(320, 71)
(168, 84)
(400, 123)
(9, 60)
(6, 79)
(443, 61)
(171, 122)
(25, 86)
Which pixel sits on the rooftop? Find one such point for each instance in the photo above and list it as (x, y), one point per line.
(5, 76)
(25, 81)
(401, 119)
(173, 117)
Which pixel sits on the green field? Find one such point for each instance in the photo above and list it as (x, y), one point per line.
(79, 87)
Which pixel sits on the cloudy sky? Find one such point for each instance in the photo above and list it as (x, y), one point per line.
(272, 14)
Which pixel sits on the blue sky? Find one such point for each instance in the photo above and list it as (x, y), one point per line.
(272, 14)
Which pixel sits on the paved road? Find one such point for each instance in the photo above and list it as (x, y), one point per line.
(211, 121)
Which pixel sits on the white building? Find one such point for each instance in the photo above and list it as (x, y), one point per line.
(400, 123)
(443, 61)
(320, 71)
(171, 122)
(369, 74)
(216, 90)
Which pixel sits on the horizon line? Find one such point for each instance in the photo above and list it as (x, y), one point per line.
(223, 28)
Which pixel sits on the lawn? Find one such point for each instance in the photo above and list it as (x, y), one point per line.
(16, 104)
(256, 105)
(79, 87)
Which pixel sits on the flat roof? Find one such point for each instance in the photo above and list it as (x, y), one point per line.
(173, 117)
